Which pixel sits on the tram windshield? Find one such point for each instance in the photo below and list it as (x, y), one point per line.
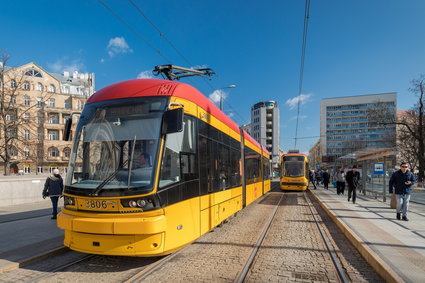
(293, 166)
(116, 146)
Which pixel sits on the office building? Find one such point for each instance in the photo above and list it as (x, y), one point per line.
(346, 126)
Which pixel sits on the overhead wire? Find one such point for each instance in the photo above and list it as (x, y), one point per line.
(301, 78)
(162, 35)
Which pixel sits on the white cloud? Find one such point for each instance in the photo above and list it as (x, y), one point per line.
(61, 65)
(217, 95)
(145, 75)
(293, 102)
(118, 45)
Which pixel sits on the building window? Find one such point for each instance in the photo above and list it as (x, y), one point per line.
(26, 152)
(26, 85)
(65, 118)
(13, 99)
(33, 73)
(26, 117)
(53, 135)
(52, 88)
(27, 100)
(66, 89)
(40, 118)
(40, 169)
(53, 152)
(39, 102)
(27, 169)
(27, 134)
(13, 84)
(40, 87)
(52, 102)
(13, 151)
(54, 118)
(68, 103)
(67, 152)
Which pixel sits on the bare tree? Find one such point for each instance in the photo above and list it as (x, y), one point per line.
(19, 131)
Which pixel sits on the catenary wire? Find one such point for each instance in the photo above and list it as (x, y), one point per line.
(301, 79)
(162, 35)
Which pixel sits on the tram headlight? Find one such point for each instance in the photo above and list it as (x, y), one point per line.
(145, 203)
(141, 203)
(132, 203)
(68, 200)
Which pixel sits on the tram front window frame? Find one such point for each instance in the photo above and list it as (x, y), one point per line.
(111, 139)
(294, 166)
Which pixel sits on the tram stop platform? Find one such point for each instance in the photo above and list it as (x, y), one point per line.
(395, 248)
(28, 234)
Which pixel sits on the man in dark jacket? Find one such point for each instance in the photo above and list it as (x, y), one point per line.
(53, 188)
(326, 178)
(353, 178)
(401, 181)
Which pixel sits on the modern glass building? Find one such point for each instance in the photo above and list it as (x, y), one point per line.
(265, 127)
(346, 124)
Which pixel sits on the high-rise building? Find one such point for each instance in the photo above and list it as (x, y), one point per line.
(265, 127)
(346, 126)
(37, 105)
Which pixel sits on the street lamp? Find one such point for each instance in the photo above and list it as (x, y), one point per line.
(221, 94)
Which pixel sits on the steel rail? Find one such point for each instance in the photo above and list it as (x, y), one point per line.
(242, 275)
(154, 266)
(59, 268)
(342, 275)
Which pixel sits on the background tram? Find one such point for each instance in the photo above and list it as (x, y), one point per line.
(154, 166)
(294, 171)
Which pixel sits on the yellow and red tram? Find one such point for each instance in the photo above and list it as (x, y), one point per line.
(198, 169)
(294, 171)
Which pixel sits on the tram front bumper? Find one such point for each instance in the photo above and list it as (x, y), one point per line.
(114, 225)
(127, 236)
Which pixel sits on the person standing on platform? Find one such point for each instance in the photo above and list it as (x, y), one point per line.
(353, 179)
(326, 177)
(340, 181)
(312, 178)
(53, 188)
(401, 183)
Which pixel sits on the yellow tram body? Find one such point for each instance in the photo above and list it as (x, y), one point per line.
(294, 172)
(108, 225)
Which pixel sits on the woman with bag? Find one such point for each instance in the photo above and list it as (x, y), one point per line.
(53, 188)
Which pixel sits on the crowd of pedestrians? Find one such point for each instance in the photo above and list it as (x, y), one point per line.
(400, 185)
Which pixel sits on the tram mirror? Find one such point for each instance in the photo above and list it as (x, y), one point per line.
(67, 130)
(172, 121)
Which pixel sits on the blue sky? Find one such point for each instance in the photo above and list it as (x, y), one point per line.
(354, 47)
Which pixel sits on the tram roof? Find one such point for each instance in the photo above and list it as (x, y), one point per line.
(157, 87)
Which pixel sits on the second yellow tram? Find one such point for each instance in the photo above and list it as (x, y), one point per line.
(294, 171)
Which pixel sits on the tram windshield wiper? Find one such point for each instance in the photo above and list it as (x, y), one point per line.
(108, 179)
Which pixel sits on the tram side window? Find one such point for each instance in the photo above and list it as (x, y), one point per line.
(180, 156)
(266, 169)
(252, 166)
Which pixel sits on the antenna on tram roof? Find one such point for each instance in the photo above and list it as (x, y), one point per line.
(173, 72)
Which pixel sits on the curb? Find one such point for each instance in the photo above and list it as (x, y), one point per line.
(378, 264)
(33, 259)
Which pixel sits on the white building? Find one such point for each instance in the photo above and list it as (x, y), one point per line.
(265, 127)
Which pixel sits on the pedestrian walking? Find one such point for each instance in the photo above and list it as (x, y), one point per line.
(401, 184)
(353, 179)
(312, 178)
(326, 177)
(53, 188)
(340, 180)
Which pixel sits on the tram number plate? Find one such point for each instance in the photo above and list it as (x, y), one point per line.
(96, 204)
